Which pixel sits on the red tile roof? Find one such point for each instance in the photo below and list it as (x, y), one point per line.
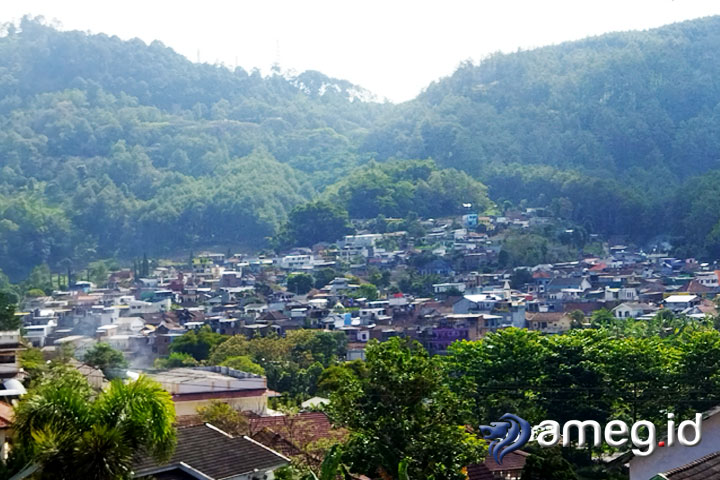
(513, 462)
(291, 434)
(479, 472)
(7, 414)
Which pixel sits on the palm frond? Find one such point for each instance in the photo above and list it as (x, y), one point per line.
(143, 412)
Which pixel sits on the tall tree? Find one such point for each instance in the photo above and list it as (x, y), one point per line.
(8, 319)
(111, 361)
(197, 343)
(402, 410)
(314, 222)
(500, 373)
(300, 283)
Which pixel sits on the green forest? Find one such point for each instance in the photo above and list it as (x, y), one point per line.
(113, 149)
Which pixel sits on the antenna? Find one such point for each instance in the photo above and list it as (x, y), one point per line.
(276, 65)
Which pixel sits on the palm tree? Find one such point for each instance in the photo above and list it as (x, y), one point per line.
(70, 431)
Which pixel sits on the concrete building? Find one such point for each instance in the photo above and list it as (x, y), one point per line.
(197, 387)
(10, 347)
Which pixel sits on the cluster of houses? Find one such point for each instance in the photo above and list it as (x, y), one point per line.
(249, 295)
(246, 295)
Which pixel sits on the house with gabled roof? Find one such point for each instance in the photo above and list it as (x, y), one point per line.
(511, 469)
(205, 452)
(548, 322)
(293, 435)
(707, 467)
(558, 284)
(633, 309)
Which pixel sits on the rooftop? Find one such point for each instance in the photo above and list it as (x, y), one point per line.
(213, 453)
(702, 468)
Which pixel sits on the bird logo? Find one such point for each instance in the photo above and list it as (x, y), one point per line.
(508, 435)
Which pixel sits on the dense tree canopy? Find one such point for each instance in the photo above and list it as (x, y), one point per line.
(8, 319)
(293, 364)
(101, 160)
(395, 189)
(315, 222)
(197, 343)
(403, 410)
(625, 371)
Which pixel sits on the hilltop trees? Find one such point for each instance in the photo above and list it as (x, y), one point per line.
(313, 222)
(99, 160)
(300, 283)
(397, 189)
(92, 151)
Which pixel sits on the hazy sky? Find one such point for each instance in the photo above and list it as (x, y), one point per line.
(393, 48)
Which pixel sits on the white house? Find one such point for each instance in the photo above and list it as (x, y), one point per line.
(297, 262)
(707, 279)
(624, 294)
(37, 334)
(633, 310)
(141, 307)
(678, 303)
(444, 287)
(476, 303)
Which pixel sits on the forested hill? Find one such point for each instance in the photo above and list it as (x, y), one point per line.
(617, 103)
(614, 123)
(112, 148)
(115, 148)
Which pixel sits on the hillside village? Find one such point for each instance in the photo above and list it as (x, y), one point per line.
(215, 272)
(249, 295)
(327, 288)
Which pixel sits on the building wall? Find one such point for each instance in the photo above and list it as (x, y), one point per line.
(353, 354)
(667, 458)
(246, 404)
(267, 475)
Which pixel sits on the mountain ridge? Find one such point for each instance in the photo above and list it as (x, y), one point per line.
(112, 148)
